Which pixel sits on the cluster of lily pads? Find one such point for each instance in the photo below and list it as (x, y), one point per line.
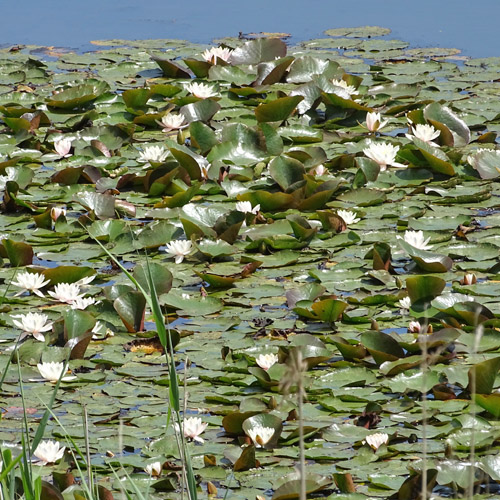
(335, 201)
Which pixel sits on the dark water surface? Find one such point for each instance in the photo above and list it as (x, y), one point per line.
(463, 24)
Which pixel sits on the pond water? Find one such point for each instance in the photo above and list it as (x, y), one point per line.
(426, 23)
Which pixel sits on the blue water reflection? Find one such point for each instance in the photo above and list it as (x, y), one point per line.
(424, 23)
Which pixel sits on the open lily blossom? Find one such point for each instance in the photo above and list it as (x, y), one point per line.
(265, 361)
(448, 299)
(343, 89)
(11, 175)
(172, 121)
(201, 90)
(30, 282)
(260, 435)
(374, 121)
(211, 55)
(33, 323)
(416, 239)
(375, 441)
(52, 370)
(154, 469)
(48, 452)
(384, 153)
(153, 153)
(348, 216)
(426, 133)
(82, 302)
(179, 249)
(63, 147)
(246, 207)
(404, 303)
(192, 427)
(66, 292)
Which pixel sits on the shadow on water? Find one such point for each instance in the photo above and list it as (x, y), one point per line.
(427, 23)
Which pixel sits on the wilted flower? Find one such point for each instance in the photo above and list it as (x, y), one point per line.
(179, 249)
(52, 371)
(265, 361)
(426, 133)
(154, 469)
(48, 452)
(348, 216)
(260, 435)
(405, 303)
(416, 240)
(56, 212)
(193, 427)
(246, 207)
(34, 323)
(66, 292)
(374, 122)
(30, 282)
(63, 147)
(201, 90)
(343, 89)
(82, 302)
(383, 153)
(375, 441)
(153, 153)
(172, 121)
(468, 279)
(211, 55)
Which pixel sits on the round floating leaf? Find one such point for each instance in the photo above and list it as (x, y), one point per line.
(424, 288)
(286, 171)
(202, 111)
(482, 376)
(77, 323)
(170, 69)
(131, 307)
(359, 32)
(444, 115)
(233, 422)
(136, 98)
(67, 274)
(18, 252)
(491, 403)
(77, 96)
(435, 158)
(161, 277)
(291, 487)
(381, 346)
(278, 110)
(427, 261)
(259, 50)
(329, 310)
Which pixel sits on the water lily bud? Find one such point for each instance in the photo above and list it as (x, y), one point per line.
(468, 279)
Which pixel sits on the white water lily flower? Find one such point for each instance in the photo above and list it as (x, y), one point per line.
(348, 216)
(265, 361)
(375, 441)
(246, 207)
(201, 90)
(86, 280)
(193, 427)
(414, 327)
(343, 89)
(179, 249)
(153, 153)
(56, 212)
(384, 154)
(319, 170)
(63, 147)
(426, 133)
(211, 55)
(52, 371)
(482, 157)
(172, 121)
(374, 122)
(82, 302)
(11, 175)
(34, 323)
(260, 435)
(405, 303)
(154, 469)
(416, 240)
(30, 282)
(48, 452)
(66, 292)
